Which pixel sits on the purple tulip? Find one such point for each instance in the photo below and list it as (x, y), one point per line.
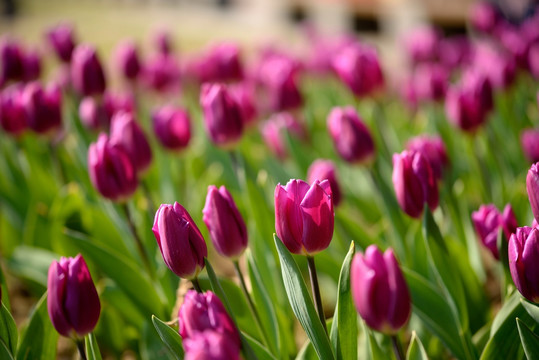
(62, 40)
(72, 300)
(532, 186)
(43, 107)
(433, 149)
(182, 246)
(210, 345)
(162, 73)
(111, 171)
(32, 66)
(515, 43)
(223, 63)
(455, 52)
(325, 170)
(523, 254)
(11, 61)
(423, 44)
(87, 74)
(529, 139)
(273, 132)
(430, 82)
(92, 114)
(533, 60)
(172, 126)
(414, 182)
(223, 117)
(351, 137)
(484, 17)
(128, 60)
(115, 102)
(280, 81)
(244, 94)
(125, 132)
(497, 65)
(488, 221)
(304, 216)
(13, 117)
(379, 290)
(163, 43)
(225, 223)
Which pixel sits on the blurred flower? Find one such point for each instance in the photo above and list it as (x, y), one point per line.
(111, 171)
(223, 117)
(414, 182)
(532, 187)
(115, 102)
(281, 84)
(210, 345)
(163, 42)
(244, 94)
(523, 254)
(62, 40)
(43, 107)
(533, 60)
(455, 52)
(488, 221)
(126, 132)
(11, 61)
(379, 290)
(273, 130)
(32, 65)
(72, 301)
(162, 73)
(529, 139)
(430, 82)
(433, 149)
(496, 64)
(484, 17)
(13, 117)
(127, 60)
(422, 44)
(351, 137)
(513, 41)
(87, 74)
(223, 63)
(225, 223)
(325, 170)
(322, 50)
(182, 246)
(304, 216)
(172, 126)
(92, 114)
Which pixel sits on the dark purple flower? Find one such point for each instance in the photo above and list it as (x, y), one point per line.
(172, 126)
(62, 40)
(523, 254)
(87, 76)
(43, 107)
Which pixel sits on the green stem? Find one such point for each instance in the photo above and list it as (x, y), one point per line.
(82, 350)
(316, 291)
(138, 241)
(397, 347)
(196, 284)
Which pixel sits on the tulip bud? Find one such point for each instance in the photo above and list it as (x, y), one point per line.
(325, 170)
(127, 60)
(379, 290)
(498, 66)
(172, 126)
(62, 40)
(423, 44)
(201, 312)
(431, 82)
(111, 171)
(272, 132)
(32, 66)
(43, 107)
(181, 243)
(72, 300)
(532, 186)
(488, 221)
(351, 137)
(484, 17)
(92, 113)
(163, 43)
(222, 116)
(523, 252)
(433, 149)
(281, 84)
(414, 183)
(162, 73)
(225, 223)
(304, 217)
(224, 63)
(13, 117)
(244, 95)
(125, 132)
(86, 72)
(529, 140)
(210, 345)
(118, 102)
(11, 61)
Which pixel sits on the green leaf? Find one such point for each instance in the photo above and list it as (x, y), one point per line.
(31, 264)
(530, 341)
(301, 302)
(531, 309)
(170, 337)
(4, 351)
(8, 330)
(416, 351)
(40, 338)
(92, 348)
(260, 351)
(343, 332)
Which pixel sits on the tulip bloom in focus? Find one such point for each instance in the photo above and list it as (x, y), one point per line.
(523, 255)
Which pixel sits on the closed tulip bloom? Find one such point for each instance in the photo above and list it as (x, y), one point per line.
(163, 42)
(484, 17)
(127, 60)
(92, 114)
(414, 182)
(32, 66)
(87, 74)
(351, 137)
(13, 117)
(523, 252)
(43, 107)
(488, 221)
(304, 217)
(72, 301)
(529, 140)
(172, 126)
(115, 102)
(430, 82)
(11, 61)
(325, 170)
(532, 186)
(111, 171)
(210, 345)
(244, 94)
(281, 84)
(224, 63)
(202, 312)
(223, 117)
(423, 44)
(162, 73)
(498, 66)
(433, 149)
(182, 246)
(225, 223)
(379, 290)
(126, 132)
(62, 40)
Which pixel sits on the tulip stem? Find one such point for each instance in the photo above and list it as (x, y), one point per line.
(250, 303)
(138, 241)
(397, 347)
(82, 351)
(196, 284)
(316, 291)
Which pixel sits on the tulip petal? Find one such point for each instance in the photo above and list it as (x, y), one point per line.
(56, 285)
(317, 217)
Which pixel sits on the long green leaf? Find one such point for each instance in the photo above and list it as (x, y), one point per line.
(301, 302)
(530, 341)
(170, 337)
(4, 351)
(8, 330)
(260, 351)
(531, 309)
(416, 351)
(92, 348)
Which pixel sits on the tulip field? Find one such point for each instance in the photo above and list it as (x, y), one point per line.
(235, 203)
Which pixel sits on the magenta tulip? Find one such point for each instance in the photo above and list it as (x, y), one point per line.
(172, 126)
(523, 255)
(127, 60)
(325, 170)
(210, 345)
(13, 117)
(43, 107)
(488, 221)
(532, 186)
(87, 74)
(126, 132)
(433, 149)
(62, 40)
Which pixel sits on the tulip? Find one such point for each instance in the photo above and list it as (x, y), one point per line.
(62, 40)
(488, 221)
(118, 102)
(455, 52)
(272, 132)
(43, 107)
(351, 137)
(515, 43)
(325, 170)
(379, 290)
(182, 246)
(111, 171)
(172, 126)
(529, 140)
(280, 82)
(304, 217)
(498, 66)
(13, 117)
(86, 71)
(222, 115)
(414, 182)
(32, 66)
(433, 149)
(484, 17)
(224, 63)
(532, 186)
(225, 223)
(162, 73)
(210, 345)
(201, 312)
(72, 301)
(523, 252)
(423, 44)
(125, 132)
(92, 114)
(430, 82)
(128, 60)
(533, 60)
(244, 95)
(163, 43)
(11, 61)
